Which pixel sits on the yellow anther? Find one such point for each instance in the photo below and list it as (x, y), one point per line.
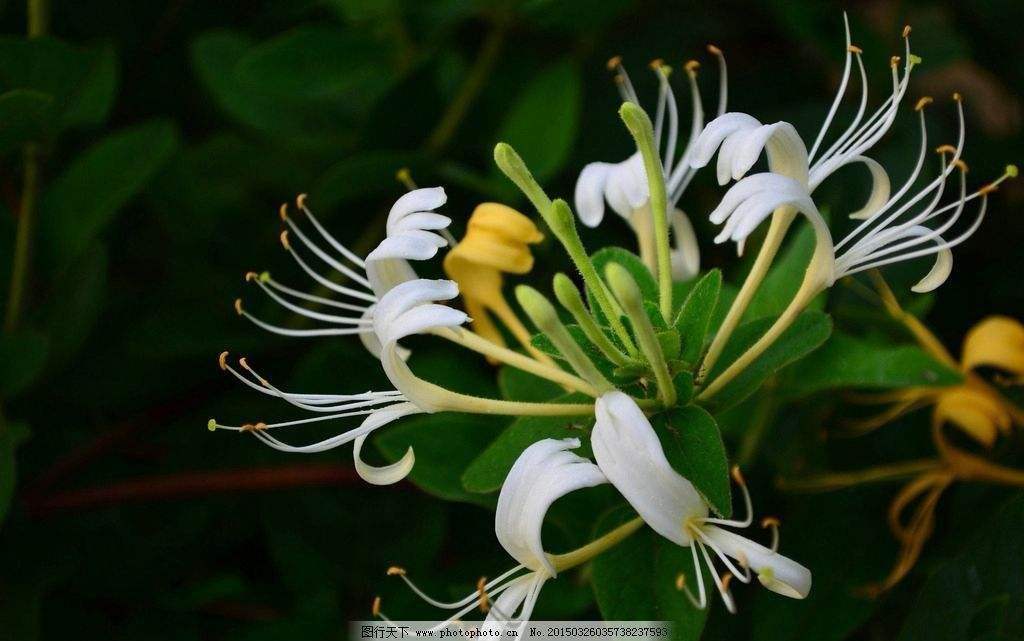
(211, 425)
(284, 239)
(854, 49)
(484, 601)
(394, 570)
(251, 276)
(923, 102)
(375, 609)
(713, 50)
(961, 165)
(300, 201)
(238, 306)
(657, 63)
(895, 60)
(283, 212)
(770, 521)
(681, 582)
(614, 63)
(691, 66)
(737, 475)
(957, 97)
(945, 149)
(222, 360)
(726, 580)
(252, 427)
(243, 362)
(906, 30)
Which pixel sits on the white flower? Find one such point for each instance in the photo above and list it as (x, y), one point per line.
(624, 185)
(543, 473)
(896, 227)
(407, 308)
(629, 453)
(411, 228)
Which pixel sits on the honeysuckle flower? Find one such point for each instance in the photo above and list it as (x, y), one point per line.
(624, 185)
(497, 242)
(411, 235)
(974, 407)
(543, 473)
(629, 453)
(895, 227)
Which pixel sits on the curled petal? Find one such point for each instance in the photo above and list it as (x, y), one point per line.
(715, 133)
(880, 188)
(589, 195)
(384, 474)
(417, 200)
(943, 265)
(997, 341)
(408, 309)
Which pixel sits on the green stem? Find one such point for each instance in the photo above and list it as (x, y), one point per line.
(569, 297)
(23, 238)
(639, 125)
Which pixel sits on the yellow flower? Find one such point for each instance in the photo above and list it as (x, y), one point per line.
(496, 243)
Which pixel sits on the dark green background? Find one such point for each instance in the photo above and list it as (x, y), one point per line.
(170, 132)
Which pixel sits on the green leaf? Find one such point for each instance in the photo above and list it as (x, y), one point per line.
(979, 592)
(314, 62)
(847, 361)
(488, 471)
(517, 385)
(694, 318)
(90, 192)
(542, 123)
(445, 444)
(11, 435)
(807, 333)
(81, 81)
(636, 579)
(79, 297)
(22, 357)
(25, 115)
(693, 446)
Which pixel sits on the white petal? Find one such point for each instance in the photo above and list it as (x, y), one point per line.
(630, 455)
(406, 245)
(589, 196)
(880, 188)
(515, 604)
(416, 200)
(420, 220)
(686, 253)
(385, 273)
(776, 572)
(716, 132)
(543, 473)
(385, 474)
(370, 340)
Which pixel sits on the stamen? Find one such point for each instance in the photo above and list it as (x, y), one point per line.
(300, 201)
(484, 601)
(282, 212)
(211, 425)
(773, 523)
(375, 610)
(854, 49)
(922, 102)
(691, 67)
(713, 50)
(957, 97)
(685, 589)
(614, 63)
(906, 31)
(394, 570)
(238, 306)
(726, 580)
(404, 176)
(222, 360)
(894, 61)
(284, 240)
(945, 149)
(656, 64)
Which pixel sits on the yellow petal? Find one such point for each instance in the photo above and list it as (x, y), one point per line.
(505, 222)
(974, 412)
(997, 341)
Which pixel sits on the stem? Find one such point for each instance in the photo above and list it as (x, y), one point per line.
(38, 18)
(782, 218)
(23, 238)
(481, 345)
(639, 125)
(569, 297)
(840, 480)
(508, 317)
(925, 338)
(471, 86)
(808, 290)
(597, 546)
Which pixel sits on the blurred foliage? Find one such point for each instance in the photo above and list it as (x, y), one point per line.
(165, 133)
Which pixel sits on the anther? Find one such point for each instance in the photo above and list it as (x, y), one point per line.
(614, 63)
(691, 66)
(894, 61)
(243, 362)
(961, 165)
(394, 570)
(481, 587)
(657, 63)
(945, 149)
(906, 30)
(854, 49)
(681, 582)
(737, 475)
(957, 97)
(211, 425)
(988, 189)
(238, 306)
(713, 50)
(283, 212)
(773, 523)
(284, 239)
(222, 360)
(300, 201)
(375, 609)
(251, 276)
(726, 580)
(770, 521)
(923, 102)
